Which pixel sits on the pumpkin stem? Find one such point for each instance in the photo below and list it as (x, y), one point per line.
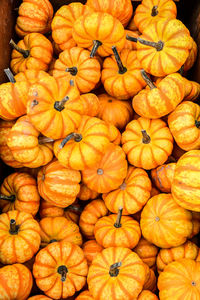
(73, 70)
(114, 271)
(158, 46)
(76, 136)
(122, 69)
(73, 208)
(154, 11)
(96, 45)
(10, 75)
(119, 216)
(44, 140)
(25, 53)
(197, 124)
(62, 270)
(100, 171)
(10, 198)
(13, 227)
(145, 137)
(60, 105)
(148, 81)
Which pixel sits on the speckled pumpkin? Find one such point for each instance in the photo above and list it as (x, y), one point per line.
(86, 193)
(147, 252)
(162, 177)
(85, 295)
(91, 248)
(114, 134)
(90, 104)
(150, 281)
(144, 295)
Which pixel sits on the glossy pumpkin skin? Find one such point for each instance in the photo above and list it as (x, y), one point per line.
(23, 188)
(126, 84)
(162, 177)
(87, 70)
(86, 193)
(91, 248)
(20, 245)
(177, 44)
(47, 275)
(93, 211)
(89, 150)
(85, 295)
(109, 173)
(15, 282)
(185, 126)
(56, 229)
(144, 295)
(40, 53)
(112, 110)
(63, 22)
(26, 148)
(185, 185)
(90, 104)
(166, 256)
(180, 279)
(192, 57)
(39, 297)
(147, 154)
(114, 134)
(34, 16)
(146, 14)
(159, 101)
(132, 194)
(58, 185)
(102, 27)
(147, 252)
(170, 223)
(123, 285)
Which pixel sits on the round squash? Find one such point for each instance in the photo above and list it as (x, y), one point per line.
(192, 90)
(90, 104)
(144, 295)
(150, 282)
(147, 252)
(192, 57)
(114, 134)
(39, 297)
(91, 248)
(86, 193)
(162, 177)
(85, 295)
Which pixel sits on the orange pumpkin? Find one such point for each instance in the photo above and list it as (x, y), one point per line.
(16, 282)
(154, 191)
(28, 148)
(86, 193)
(196, 223)
(90, 104)
(147, 252)
(35, 51)
(150, 282)
(128, 44)
(88, 218)
(180, 280)
(147, 143)
(177, 152)
(75, 64)
(64, 271)
(162, 177)
(31, 76)
(34, 17)
(19, 192)
(117, 112)
(185, 184)
(19, 237)
(91, 248)
(144, 295)
(98, 32)
(191, 58)
(116, 273)
(83, 148)
(132, 194)
(150, 12)
(85, 295)
(56, 229)
(192, 90)
(58, 185)
(170, 223)
(39, 297)
(109, 173)
(121, 75)
(114, 134)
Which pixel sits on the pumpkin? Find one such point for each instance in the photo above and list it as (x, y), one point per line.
(34, 17)
(162, 177)
(116, 273)
(56, 229)
(86, 193)
(83, 148)
(117, 231)
(191, 58)
(39, 297)
(35, 51)
(144, 295)
(98, 32)
(109, 173)
(85, 295)
(28, 148)
(150, 12)
(54, 107)
(91, 248)
(75, 64)
(122, 10)
(58, 185)
(163, 47)
(114, 134)
(63, 22)
(131, 24)
(19, 237)
(160, 99)
(15, 282)
(89, 216)
(180, 279)
(192, 90)
(112, 110)
(32, 172)
(154, 191)
(132, 194)
(170, 223)
(196, 223)
(184, 124)
(166, 256)
(64, 271)
(121, 75)
(90, 104)
(19, 192)
(186, 184)
(150, 282)
(177, 152)
(147, 143)
(146, 251)
(31, 76)
(129, 44)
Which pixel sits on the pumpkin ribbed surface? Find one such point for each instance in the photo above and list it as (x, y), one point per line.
(147, 252)
(91, 248)
(163, 176)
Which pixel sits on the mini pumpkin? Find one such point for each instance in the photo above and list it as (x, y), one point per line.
(39, 297)
(162, 177)
(85, 295)
(191, 58)
(90, 104)
(150, 282)
(196, 223)
(128, 44)
(114, 134)
(144, 295)
(31, 76)
(192, 90)
(86, 193)
(147, 252)
(91, 248)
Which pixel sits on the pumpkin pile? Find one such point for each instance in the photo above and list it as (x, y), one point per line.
(101, 128)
